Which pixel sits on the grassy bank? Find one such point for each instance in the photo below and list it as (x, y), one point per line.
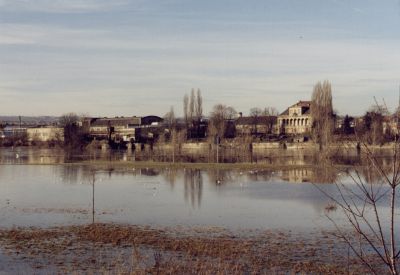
(125, 165)
(189, 165)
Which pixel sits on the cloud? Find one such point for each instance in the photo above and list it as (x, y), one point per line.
(94, 67)
(18, 34)
(44, 35)
(61, 6)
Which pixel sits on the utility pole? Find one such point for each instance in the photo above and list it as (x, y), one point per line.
(217, 153)
(217, 141)
(93, 181)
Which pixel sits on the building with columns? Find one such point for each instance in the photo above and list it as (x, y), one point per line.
(296, 119)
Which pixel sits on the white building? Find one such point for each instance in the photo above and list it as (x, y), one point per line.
(45, 134)
(296, 119)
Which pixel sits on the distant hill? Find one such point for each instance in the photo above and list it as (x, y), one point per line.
(29, 120)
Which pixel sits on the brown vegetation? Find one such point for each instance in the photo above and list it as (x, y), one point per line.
(121, 249)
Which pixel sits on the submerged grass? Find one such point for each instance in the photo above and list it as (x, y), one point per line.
(101, 164)
(121, 249)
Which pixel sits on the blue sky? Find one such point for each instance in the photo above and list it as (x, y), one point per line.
(138, 57)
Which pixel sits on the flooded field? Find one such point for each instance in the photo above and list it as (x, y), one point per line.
(71, 205)
(48, 195)
(52, 192)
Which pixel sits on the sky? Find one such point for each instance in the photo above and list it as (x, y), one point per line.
(140, 57)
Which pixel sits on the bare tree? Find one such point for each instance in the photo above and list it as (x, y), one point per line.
(371, 128)
(255, 113)
(270, 111)
(174, 142)
(169, 119)
(73, 138)
(193, 112)
(177, 138)
(369, 206)
(192, 102)
(377, 128)
(322, 113)
(170, 126)
(68, 119)
(379, 109)
(186, 110)
(230, 112)
(198, 111)
(199, 105)
(218, 118)
(270, 119)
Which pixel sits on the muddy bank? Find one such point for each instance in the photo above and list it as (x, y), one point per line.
(111, 248)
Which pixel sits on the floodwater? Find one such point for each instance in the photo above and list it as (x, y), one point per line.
(43, 195)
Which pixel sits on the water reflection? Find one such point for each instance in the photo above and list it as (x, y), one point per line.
(193, 179)
(73, 193)
(279, 158)
(149, 172)
(262, 175)
(71, 174)
(25, 155)
(170, 176)
(298, 175)
(70, 194)
(193, 186)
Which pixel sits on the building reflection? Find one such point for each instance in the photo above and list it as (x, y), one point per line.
(298, 175)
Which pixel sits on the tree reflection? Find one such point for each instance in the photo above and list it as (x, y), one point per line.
(220, 176)
(170, 176)
(372, 175)
(149, 172)
(325, 174)
(260, 175)
(193, 186)
(70, 174)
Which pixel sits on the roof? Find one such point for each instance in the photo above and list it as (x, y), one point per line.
(148, 120)
(117, 121)
(255, 120)
(301, 103)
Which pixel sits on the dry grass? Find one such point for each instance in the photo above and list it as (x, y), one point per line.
(118, 249)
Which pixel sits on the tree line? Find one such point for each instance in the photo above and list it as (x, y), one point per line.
(221, 122)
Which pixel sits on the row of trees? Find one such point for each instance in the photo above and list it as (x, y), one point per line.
(220, 121)
(221, 116)
(370, 127)
(375, 127)
(193, 113)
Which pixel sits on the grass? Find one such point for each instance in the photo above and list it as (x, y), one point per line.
(123, 249)
(190, 165)
(115, 164)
